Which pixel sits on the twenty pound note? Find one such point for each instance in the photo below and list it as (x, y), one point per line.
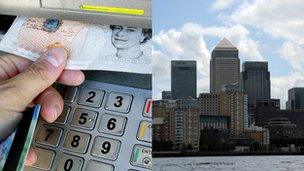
(91, 47)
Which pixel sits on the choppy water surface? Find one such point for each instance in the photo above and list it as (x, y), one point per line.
(226, 163)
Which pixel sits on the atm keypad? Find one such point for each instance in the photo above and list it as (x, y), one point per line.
(100, 128)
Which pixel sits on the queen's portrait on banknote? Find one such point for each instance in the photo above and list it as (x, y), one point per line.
(127, 41)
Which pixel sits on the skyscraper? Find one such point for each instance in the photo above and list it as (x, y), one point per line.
(224, 65)
(166, 95)
(256, 81)
(295, 98)
(183, 79)
(256, 84)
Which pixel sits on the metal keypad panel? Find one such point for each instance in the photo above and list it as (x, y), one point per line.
(102, 127)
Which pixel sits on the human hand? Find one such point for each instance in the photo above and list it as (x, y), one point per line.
(23, 83)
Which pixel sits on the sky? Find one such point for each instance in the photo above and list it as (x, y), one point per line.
(271, 30)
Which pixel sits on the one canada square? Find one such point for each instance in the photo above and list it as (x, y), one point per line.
(224, 66)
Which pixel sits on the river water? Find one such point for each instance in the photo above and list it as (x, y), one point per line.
(226, 163)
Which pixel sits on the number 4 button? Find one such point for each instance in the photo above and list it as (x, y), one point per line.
(119, 102)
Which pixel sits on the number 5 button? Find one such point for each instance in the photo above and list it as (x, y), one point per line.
(84, 119)
(90, 97)
(105, 148)
(112, 124)
(119, 102)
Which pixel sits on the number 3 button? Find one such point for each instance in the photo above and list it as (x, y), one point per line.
(119, 102)
(90, 97)
(112, 124)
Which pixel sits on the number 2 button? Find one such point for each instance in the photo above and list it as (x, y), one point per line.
(119, 102)
(90, 97)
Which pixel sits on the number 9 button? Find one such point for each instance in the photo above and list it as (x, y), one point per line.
(119, 102)
(106, 148)
(112, 124)
(90, 97)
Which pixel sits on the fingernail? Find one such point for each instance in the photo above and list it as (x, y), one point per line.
(58, 111)
(56, 56)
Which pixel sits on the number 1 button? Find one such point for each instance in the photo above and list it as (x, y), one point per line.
(119, 102)
(90, 97)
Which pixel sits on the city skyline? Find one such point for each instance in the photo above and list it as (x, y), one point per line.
(262, 36)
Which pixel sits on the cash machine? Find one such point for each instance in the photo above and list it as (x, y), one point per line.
(106, 122)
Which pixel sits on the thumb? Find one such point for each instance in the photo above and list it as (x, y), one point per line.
(22, 89)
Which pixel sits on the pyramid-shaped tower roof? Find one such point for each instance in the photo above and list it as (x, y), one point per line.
(225, 44)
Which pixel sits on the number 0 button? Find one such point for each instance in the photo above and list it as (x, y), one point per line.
(69, 163)
(76, 141)
(119, 102)
(105, 148)
(90, 97)
(84, 119)
(112, 124)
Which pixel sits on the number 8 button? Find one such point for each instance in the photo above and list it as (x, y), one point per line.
(112, 124)
(119, 102)
(90, 97)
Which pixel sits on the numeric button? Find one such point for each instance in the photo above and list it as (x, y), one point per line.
(90, 97)
(84, 119)
(76, 141)
(105, 148)
(48, 135)
(112, 124)
(119, 102)
(98, 166)
(44, 159)
(63, 116)
(69, 163)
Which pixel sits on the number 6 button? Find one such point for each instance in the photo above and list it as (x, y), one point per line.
(112, 124)
(119, 102)
(105, 148)
(90, 97)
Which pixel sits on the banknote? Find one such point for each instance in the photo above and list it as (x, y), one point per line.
(91, 47)
(14, 149)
